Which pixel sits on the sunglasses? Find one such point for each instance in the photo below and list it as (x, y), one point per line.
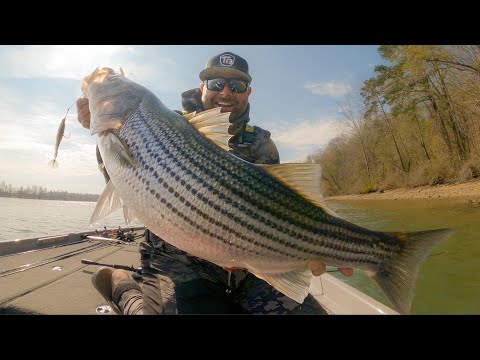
(236, 85)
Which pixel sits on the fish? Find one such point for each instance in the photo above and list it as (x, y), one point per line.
(58, 139)
(175, 175)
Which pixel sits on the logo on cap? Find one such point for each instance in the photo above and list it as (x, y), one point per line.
(227, 60)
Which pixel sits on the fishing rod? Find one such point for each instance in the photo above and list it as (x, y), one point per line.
(101, 242)
(120, 234)
(115, 266)
(38, 263)
(47, 248)
(108, 240)
(129, 238)
(121, 238)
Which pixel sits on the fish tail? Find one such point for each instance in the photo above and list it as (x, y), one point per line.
(397, 279)
(53, 164)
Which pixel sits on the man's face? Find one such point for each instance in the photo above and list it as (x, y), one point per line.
(229, 101)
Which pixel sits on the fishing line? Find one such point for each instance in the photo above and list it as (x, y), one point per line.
(65, 117)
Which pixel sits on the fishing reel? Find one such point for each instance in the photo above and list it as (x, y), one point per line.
(120, 235)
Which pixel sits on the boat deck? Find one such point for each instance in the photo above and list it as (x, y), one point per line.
(58, 282)
(46, 276)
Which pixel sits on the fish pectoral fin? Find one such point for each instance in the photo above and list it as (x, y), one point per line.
(303, 178)
(108, 202)
(294, 284)
(119, 149)
(128, 215)
(213, 125)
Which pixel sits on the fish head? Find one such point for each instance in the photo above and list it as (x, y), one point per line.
(112, 98)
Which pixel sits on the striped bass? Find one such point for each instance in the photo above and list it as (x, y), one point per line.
(176, 176)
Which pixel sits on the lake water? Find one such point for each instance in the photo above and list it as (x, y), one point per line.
(449, 280)
(448, 283)
(26, 218)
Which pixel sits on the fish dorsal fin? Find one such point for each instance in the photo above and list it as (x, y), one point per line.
(108, 202)
(303, 178)
(196, 117)
(189, 115)
(213, 125)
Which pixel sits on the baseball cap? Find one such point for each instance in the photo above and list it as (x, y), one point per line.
(226, 63)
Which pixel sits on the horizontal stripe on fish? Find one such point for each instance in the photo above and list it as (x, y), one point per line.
(350, 256)
(244, 225)
(205, 185)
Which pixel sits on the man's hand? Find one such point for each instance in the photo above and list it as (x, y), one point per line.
(318, 268)
(346, 271)
(83, 112)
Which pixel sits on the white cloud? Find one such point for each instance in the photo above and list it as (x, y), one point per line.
(27, 139)
(308, 133)
(24, 123)
(59, 61)
(331, 88)
(76, 172)
(299, 138)
(74, 62)
(30, 115)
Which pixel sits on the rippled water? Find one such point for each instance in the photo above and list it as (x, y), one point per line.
(25, 218)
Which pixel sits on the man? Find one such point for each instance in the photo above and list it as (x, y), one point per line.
(175, 282)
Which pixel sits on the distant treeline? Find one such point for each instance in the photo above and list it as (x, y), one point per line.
(416, 122)
(40, 192)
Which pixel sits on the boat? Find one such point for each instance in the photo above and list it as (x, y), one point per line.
(51, 275)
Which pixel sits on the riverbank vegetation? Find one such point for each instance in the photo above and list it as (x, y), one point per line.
(416, 122)
(40, 192)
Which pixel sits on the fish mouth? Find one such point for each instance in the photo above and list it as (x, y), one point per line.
(96, 76)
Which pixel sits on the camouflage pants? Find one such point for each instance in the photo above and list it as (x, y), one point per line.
(189, 285)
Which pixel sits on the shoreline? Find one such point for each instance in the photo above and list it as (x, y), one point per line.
(468, 191)
(25, 198)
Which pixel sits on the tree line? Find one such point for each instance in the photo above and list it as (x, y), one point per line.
(40, 192)
(416, 122)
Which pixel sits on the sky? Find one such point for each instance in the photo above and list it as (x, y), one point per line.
(296, 94)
